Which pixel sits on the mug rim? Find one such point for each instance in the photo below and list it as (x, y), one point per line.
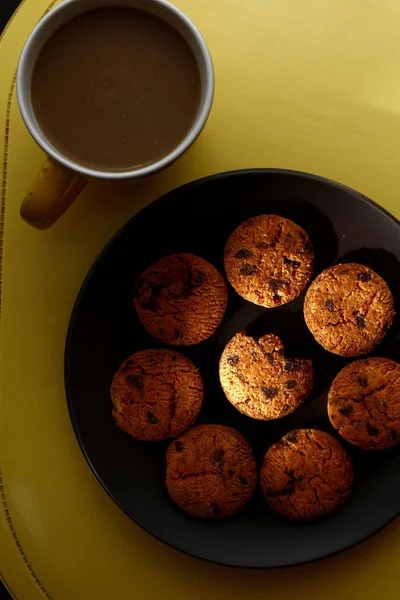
(150, 169)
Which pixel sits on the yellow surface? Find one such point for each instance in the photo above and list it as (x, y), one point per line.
(310, 85)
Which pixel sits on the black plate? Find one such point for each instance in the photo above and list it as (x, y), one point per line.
(104, 330)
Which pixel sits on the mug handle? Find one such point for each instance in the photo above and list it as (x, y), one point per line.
(52, 192)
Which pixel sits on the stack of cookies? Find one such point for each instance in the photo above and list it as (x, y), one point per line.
(157, 394)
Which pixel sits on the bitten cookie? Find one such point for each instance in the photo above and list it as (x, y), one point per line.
(269, 260)
(181, 299)
(259, 381)
(306, 475)
(157, 394)
(364, 403)
(211, 471)
(348, 308)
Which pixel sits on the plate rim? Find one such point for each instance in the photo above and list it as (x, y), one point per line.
(73, 315)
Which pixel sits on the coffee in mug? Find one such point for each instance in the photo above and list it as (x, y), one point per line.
(116, 88)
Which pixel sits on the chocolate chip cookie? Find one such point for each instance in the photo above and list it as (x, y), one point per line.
(157, 394)
(259, 381)
(269, 260)
(348, 308)
(364, 403)
(211, 471)
(306, 475)
(181, 299)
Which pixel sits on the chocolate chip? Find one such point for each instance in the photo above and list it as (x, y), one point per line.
(216, 510)
(156, 290)
(393, 434)
(197, 278)
(230, 472)
(219, 459)
(294, 263)
(292, 364)
(277, 299)
(243, 253)
(364, 276)
(346, 410)
(179, 447)
(289, 489)
(244, 480)
(194, 280)
(269, 392)
(174, 357)
(151, 305)
(292, 437)
(136, 381)
(371, 429)
(247, 270)
(254, 355)
(363, 381)
(151, 418)
(360, 322)
(329, 305)
(275, 285)
(232, 359)
(178, 334)
(290, 384)
(277, 237)
(270, 357)
(308, 248)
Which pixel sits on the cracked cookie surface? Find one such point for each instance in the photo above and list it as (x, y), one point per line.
(181, 299)
(364, 403)
(306, 475)
(157, 394)
(211, 471)
(259, 381)
(269, 260)
(348, 308)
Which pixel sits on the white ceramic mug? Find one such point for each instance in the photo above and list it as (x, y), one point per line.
(62, 179)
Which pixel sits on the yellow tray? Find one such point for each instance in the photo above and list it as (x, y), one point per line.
(311, 85)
